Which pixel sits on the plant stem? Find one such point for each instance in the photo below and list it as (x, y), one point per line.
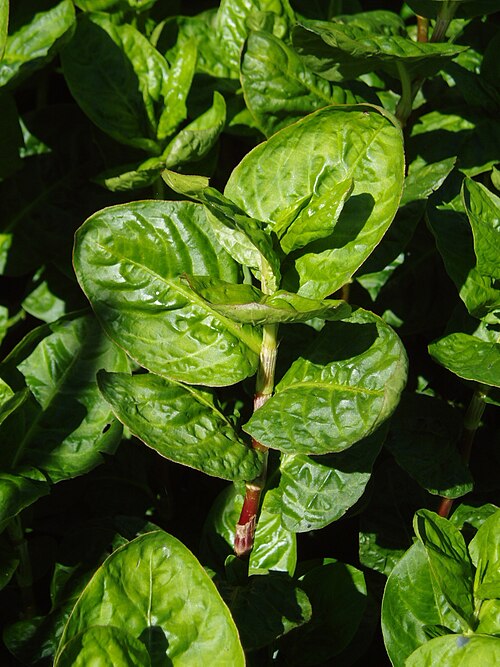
(245, 528)
(403, 109)
(24, 573)
(472, 420)
(443, 20)
(422, 29)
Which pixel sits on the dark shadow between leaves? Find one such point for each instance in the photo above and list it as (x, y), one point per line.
(339, 341)
(154, 639)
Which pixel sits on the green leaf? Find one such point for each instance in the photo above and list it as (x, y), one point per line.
(456, 651)
(314, 491)
(337, 592)
(449, 563)
(34, 43)
(65, 425)
(354, 50)
(409, 606)
(364, 145)
(128, 260)
(248, 305)
(483, 210)
(484, 551)
(339, 392)
(423, 439)
(176, 91)
(468, 357)
(195, 140)
(279, 89)
(9, 561)
(104, 645)
(154, 589)
(4, 24)
(181, 423)
(11, 137)
(266, 608)
(117, 77)
(19, 490)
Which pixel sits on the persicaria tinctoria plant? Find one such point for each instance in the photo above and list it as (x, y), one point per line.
(251, 318)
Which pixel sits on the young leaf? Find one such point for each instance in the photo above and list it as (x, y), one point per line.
(484, 551)
(449, 563)
(181, 423)
(4, 24)
(104, 643)
(176, 90)
(34, 43)
(362, 142)
(339, 392)
(457, 650)
(128, 260)
(313, 492)
(248, 305)
(154, 589)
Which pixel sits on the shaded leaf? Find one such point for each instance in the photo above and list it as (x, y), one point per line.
(128, 260)
(339, 392)
(19, 490)
(181, 423)
(102, 644)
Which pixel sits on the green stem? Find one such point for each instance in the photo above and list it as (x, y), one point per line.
(472, 421)
(245, 528)
(443, 21)
(24, 574)
(403, 109)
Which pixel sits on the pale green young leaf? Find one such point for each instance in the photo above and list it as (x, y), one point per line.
(248, 305)
(457, 651)
(364, 145)
(484, 551)
(176, 89)
(449, 563)
(342, 388)
(4, 24)
(154, 589)
(34, 43)
(181, 423)
(468, 357)
(104, 645)
(129, 259)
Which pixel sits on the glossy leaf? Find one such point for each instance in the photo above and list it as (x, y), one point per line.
(484, 551)
(176, 90)
(457, 650)
(181, 423)
(483, 210)
(20, 489)
(337, 592)
(154, 589)
(34, 43)
(355, 50)
(128, 79)
(314, 491)
(104, 645)
(279, 173)
(279, 89)
(248, 305)
(339, 392)
(449, 563)
(423, 438)
(4, 24)
(128, 260)
(468, 357)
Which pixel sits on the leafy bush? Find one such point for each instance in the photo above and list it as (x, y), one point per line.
(261, 238)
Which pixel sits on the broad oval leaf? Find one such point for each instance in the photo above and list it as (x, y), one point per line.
(313, 492)
(483, 210)
(154, 589)
(457, 651)
(364, 145)
(128, 260)
(104, 645)
(339, 392)
(181, 423)
(468, 357)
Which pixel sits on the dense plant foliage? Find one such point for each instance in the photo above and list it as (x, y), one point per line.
(250, 313)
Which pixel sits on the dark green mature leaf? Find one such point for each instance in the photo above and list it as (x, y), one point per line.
(34, 43)
(423, 439)
(457, 651)
(11, 138)
(468, 357)
(278, 87)
(128, 260)
(128, 78)
(483, 211)
(409, 606)
(365, 146)
(338, 597)
(154, 589)
(104, 645)
(314, 491)
(181, 423)
(449, 563)
(19, 490)
(353, 50)
(267, 608)
(248, 305)
(9, 560)
(339, 392)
